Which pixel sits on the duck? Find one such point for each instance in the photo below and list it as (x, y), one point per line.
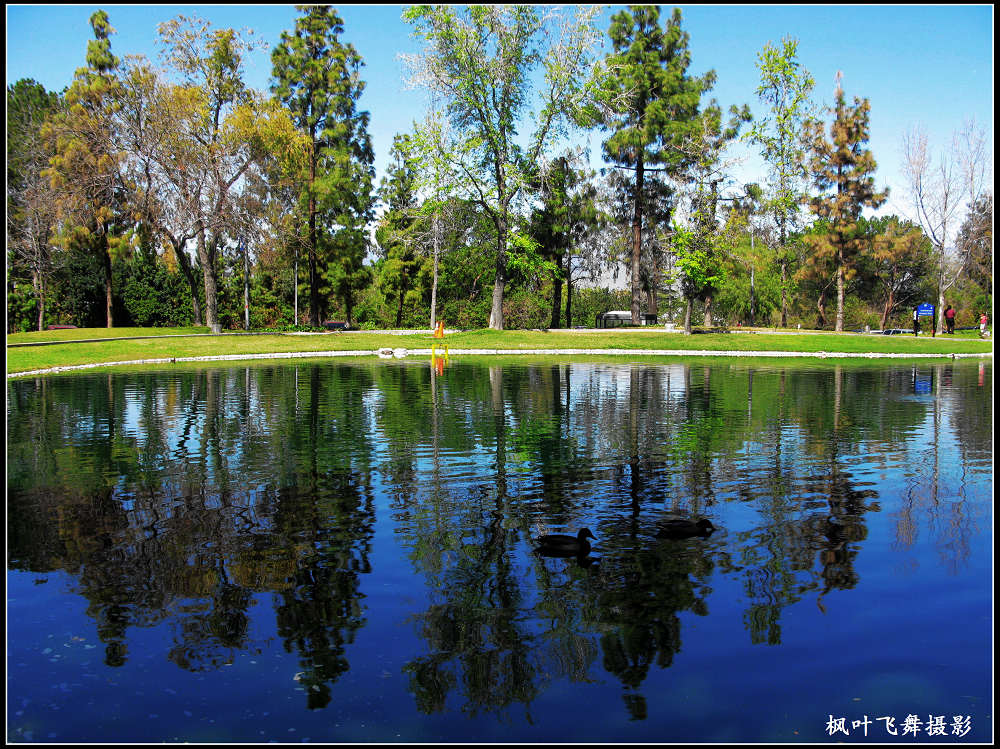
(561, 545)
(682, 528)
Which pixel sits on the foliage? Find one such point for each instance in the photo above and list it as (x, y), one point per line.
(147, 187)
(480, 60)
(317, 77)
(651, 106)
(785, 86)
(30, 202)
(83, 167)
(151, 295)
(842, 171)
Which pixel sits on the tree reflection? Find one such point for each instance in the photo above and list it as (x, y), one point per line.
(167, 511)
(189, 498)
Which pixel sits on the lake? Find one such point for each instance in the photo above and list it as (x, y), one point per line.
(345, 552)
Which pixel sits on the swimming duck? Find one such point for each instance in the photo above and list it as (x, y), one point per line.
(560, 545)
(682, 528)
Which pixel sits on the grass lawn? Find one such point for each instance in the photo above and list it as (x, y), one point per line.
(80, 334)
(77, 349)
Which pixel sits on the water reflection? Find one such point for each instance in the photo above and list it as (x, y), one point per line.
(208, 500)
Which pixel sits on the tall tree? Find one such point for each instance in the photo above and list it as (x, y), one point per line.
(707, 173)
(975, 242)
(30, 200)
(651, 104)
(398, 228)
(221, 144)
(84, 167)
(785, 86)
(941, 191)
(317, 77)
(842, 170)
(154, 122)
(480, 60)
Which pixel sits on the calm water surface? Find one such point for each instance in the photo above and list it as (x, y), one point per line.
(344, 552)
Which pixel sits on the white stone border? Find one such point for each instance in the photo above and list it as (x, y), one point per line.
(400, 353)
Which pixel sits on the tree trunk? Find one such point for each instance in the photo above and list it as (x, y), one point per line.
(107, 279)
(246, 286)
(708, 311)
(652, 304)
(313, 270)
(434, 281)
(207, 259)
(569, 299)
(940, 311)
(839, 326)
(637, 240)
(890, 302)
(500, 277)
(821, 307)
(687, 315)
(557, 284)
(40, 293)
(784, 275)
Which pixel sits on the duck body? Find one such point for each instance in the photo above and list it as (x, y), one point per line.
(683, 528)
(561, 545)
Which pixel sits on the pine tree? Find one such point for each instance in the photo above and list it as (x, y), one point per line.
(651, 104)
(317, 77)
(84, 168)
(397, 229)
(842, 172)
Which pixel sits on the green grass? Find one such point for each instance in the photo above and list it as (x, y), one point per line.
(82, 351)
(79, 334)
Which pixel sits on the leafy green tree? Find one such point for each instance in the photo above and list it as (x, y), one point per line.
(148, 293)
(699, 266)
(842, 170)
(651, 104)
(481, 59)
(785, 87)
(397, 230)
(30, 202)
(84, 167)
(707, 173)
(228, 137)
(317, 77)
(976, 242)
(817, 274)
(751, 285)
(900, 262)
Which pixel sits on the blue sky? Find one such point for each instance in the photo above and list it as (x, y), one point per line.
(917, 64)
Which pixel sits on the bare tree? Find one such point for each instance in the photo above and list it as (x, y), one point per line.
(942, 191)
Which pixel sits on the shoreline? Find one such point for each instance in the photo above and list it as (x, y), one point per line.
(402, 353)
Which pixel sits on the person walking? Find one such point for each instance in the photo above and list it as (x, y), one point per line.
(982, 325)
(949, 319)
(916, 322)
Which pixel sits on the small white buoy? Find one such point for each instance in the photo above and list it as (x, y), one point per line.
(385, 353)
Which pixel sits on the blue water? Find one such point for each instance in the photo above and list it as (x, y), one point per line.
(344, 553)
